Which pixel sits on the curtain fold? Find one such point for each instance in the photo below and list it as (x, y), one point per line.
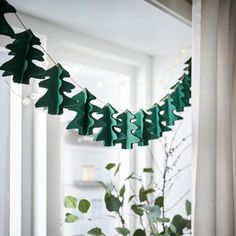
(4, 157)
(215, 142)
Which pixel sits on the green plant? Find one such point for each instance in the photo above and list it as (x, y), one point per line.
(145, 198)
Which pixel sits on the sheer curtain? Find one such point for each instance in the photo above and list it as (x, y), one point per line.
(4, 157)
(214, 111)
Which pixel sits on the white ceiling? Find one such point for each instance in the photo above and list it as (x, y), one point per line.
(134, 24)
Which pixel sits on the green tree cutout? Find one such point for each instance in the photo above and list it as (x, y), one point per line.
(188, 67)
(144, 126)
(84, 121)
(156, 119)
(55, 99)
(108, 134)
(179, 97)
(127, 129)
(5, 28)
(21, 66)
(169, 116)
(186, 82)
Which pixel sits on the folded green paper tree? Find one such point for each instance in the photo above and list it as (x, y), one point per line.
(55, 99)
(21, 66)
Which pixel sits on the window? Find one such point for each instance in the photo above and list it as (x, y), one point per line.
(82, 159)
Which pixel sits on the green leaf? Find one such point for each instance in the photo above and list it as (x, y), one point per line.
(153, 213)
(188, 224)
(188, 207)
(139, 232)
(70, 218)
(131, 197)
(109, 166)
(159, 201)
(117, 169)
(84, 206)
(142, 195)
(122, 191)
(137, 210)
(148, 170)
(96, 231)
(179, 223)
(122, 231)
(70, 202)
(112, 203)
(107, 187)
(149, 191)
(173, 228)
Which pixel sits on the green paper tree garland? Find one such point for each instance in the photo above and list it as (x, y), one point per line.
(125, 128)
(21, 66)
(5, 28)
(84, 121)
(55, 99)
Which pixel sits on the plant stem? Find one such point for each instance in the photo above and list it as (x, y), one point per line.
(164, 182)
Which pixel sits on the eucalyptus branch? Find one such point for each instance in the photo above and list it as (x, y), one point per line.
(164, 186)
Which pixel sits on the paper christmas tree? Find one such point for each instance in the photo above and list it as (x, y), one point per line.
(188, 67)
(186, 82)
(5, 28)
(144, 126)
(127, 129)
(84, 120)
(156, 119)
(55, 99)
(178, 96)
(21, 66)
(108, 134)
(169, 116)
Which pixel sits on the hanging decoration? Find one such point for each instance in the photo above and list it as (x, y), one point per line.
(107, 133)
(55, 99)
(169, 108)
(144, 128)
(156, 118)
(186, 81)
(125, 128)
(5, 28)
(84, 120)
(21, 66)
(178, 96)
(127, 136)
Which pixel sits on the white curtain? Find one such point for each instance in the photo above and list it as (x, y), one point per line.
(214, 111)
(4, 157)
